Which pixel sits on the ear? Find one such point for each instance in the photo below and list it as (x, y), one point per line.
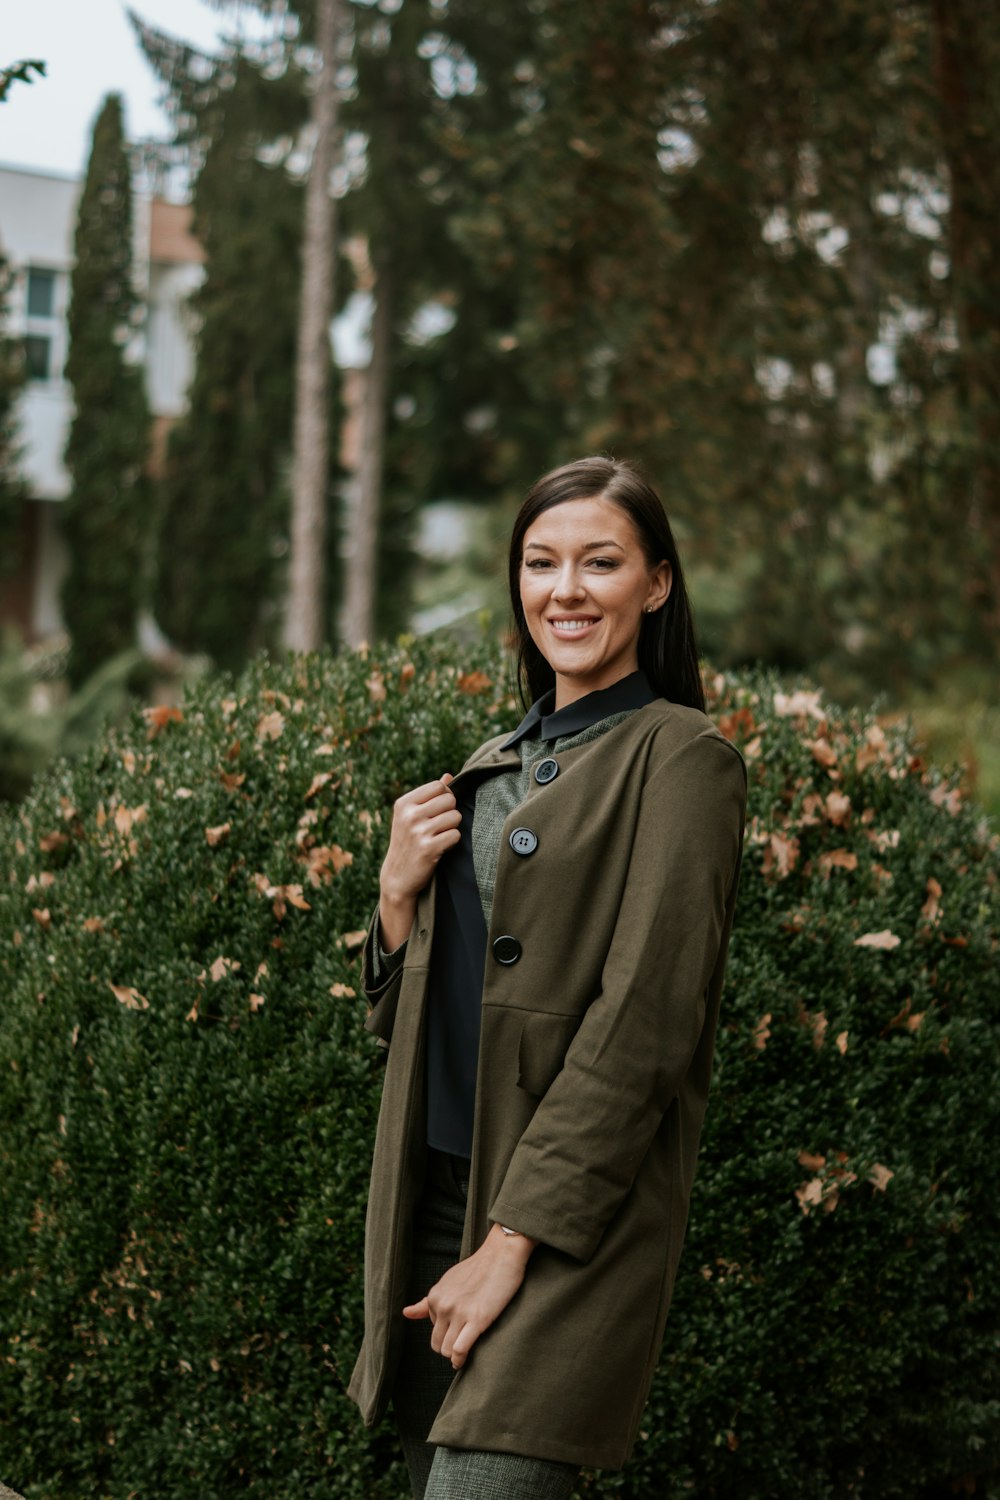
(660, 583)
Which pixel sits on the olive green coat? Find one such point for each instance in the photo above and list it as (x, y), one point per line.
(594, 1067)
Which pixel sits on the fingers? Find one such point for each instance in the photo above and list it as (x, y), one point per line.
(417, 1310)
(429, 790)
(443, 822)
(453, 1333)
(461, 1346)
(414, 814)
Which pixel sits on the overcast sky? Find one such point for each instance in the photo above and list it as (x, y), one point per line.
(90, 50)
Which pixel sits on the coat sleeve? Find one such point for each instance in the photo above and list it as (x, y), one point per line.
(381, 978)
(580, 1153)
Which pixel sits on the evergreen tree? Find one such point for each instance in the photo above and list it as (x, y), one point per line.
(104, 517)
(725, 225)
(224, 498)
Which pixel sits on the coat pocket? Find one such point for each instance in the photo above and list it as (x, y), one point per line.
(541, 1050)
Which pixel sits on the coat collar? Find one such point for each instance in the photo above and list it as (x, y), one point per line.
(627, 693)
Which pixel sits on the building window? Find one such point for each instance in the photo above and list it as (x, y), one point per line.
(41, 293)
(37, 356)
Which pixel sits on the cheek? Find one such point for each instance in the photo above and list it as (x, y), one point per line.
(531, 594)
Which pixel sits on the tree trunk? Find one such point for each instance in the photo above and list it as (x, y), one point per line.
(968, 76)
(358, 620)
(304, 622)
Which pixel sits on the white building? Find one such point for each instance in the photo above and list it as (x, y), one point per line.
(37, 225)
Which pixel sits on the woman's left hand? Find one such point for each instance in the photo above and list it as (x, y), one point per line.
(472, 1294)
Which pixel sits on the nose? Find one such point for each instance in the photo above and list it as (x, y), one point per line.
(567, 583)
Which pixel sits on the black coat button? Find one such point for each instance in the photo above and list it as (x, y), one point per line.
(546, 770)
(506, 949)
(523, 841)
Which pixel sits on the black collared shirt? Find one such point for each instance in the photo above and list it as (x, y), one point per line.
(458, 956)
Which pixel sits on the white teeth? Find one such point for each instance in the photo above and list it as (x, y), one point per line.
(571, 624)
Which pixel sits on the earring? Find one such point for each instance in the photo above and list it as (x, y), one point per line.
(647, 609)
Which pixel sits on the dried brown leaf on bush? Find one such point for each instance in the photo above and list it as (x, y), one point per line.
(931, 909)
(49, 842)
(823, 752)
(740, 724)
(376, 687)
(128, 996)
(221, 966)
(319, 781)
(810, 1194)
(473, 682)
(159, 717)
(126, 818)
(838, 808)
(342, 991)
(762, 1032)
(325, 861)
(799, 705)
(282, 896)
(781, 854)
(836, 859)
(874, 749)
(270, 726)
(950, 798)
(814, 1021)
(884, 939)
(880, 1177)
(811, 811)
(215, 836)
(42, 916)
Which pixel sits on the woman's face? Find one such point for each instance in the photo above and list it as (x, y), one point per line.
(585, 582)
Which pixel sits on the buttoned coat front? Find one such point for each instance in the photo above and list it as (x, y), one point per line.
(594, 1065)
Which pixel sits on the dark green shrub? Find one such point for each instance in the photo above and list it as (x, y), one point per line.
(187, 1100)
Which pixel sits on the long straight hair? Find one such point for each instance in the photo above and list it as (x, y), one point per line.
(667, 651)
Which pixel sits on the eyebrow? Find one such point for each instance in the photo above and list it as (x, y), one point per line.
(587, 547)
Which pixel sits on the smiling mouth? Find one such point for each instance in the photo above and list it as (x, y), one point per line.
(573, 627)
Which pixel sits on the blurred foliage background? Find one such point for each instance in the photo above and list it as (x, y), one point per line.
(751, 245)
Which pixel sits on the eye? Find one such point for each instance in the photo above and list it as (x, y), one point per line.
(604, 564)
(535, 563)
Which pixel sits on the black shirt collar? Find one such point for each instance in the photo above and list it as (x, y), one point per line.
(627, 693)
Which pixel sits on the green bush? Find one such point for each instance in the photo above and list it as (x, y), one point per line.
(187, 1100)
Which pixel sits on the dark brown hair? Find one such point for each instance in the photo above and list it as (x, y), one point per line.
(667, 651)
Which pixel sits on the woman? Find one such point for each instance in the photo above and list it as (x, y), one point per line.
(545, 966)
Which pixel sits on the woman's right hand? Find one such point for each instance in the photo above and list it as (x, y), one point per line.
(425, 825)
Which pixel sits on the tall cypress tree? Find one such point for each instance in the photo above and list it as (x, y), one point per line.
(223, 524)
(104, 517)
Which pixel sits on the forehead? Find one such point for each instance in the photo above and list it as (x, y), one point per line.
(575, 523)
